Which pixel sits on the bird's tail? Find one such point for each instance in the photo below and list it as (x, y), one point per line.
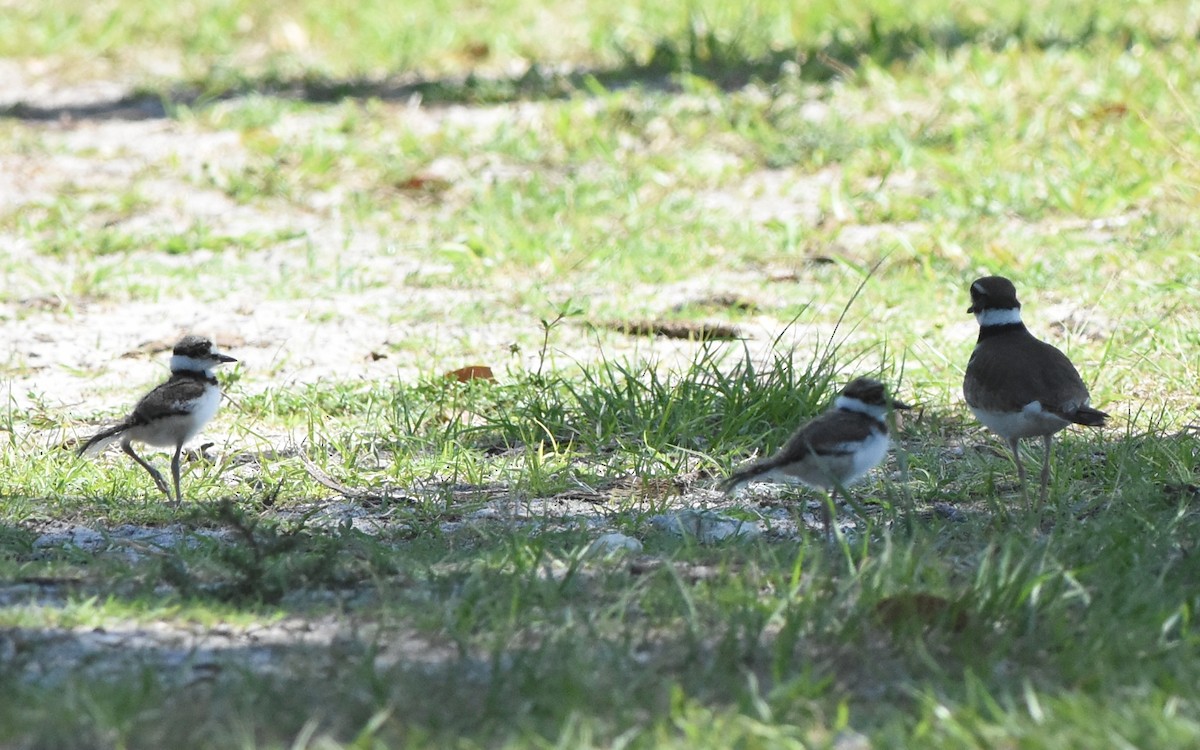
(732, 484)
(1086, 415)
(101, 440)
(744, 476)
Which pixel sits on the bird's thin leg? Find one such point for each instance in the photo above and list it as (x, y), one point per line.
(1046, 442)
(158, 478)
(1015, 445)
(827, 509)
(175, 473)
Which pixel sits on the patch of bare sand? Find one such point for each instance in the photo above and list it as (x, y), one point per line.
(785, 195)
(334, 302)
(337, 301)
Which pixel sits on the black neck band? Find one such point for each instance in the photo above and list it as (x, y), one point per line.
(999, 330)
(197, 375)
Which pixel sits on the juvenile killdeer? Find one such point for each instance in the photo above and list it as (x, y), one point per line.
(172, 413)
(1017, 385)
(833, 450)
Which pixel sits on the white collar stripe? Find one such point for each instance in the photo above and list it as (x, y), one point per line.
(1006, 317)
(184, 363)
(849, 403)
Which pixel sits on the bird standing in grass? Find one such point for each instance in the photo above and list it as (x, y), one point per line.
(173, 412)
(1019, 386)
(833, 450)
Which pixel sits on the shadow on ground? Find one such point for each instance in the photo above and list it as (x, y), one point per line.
(708, 56)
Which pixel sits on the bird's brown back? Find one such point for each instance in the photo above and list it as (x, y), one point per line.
(999, 378)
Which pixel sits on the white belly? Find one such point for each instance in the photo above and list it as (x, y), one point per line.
(206, 408)
(868, 456)
(1028, 422)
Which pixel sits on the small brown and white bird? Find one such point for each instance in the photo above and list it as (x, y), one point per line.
(172, 413)
(1017, 385)
(832, 451)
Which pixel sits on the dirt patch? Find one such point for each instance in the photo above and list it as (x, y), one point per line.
(325, 303)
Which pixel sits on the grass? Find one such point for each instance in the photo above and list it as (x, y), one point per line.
(361, 200)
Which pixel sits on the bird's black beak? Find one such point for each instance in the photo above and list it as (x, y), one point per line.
(899, 405)
(223, 358)
(971, 309)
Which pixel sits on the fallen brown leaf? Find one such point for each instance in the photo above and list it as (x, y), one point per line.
(471, 372)
(424, 183)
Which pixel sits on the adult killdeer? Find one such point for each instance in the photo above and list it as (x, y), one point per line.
(833, 450)
(1017, 385)
(172, 413)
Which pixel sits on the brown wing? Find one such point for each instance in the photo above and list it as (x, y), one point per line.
(827, 435)
(1005, 374)
(176, 396)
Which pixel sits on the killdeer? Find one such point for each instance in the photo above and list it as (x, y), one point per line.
(173, 412)
(1017, 385)
(833, 450)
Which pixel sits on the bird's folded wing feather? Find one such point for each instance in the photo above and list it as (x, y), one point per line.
(1003, 383)
(174, 397)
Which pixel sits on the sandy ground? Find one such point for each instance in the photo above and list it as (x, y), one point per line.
(332, 301)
